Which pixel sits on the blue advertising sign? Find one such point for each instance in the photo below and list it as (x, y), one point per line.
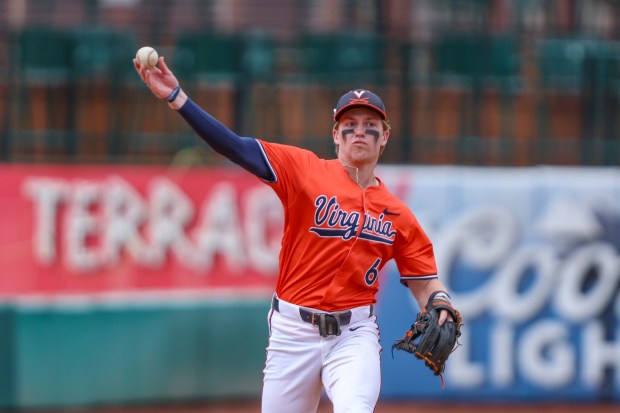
(531, 257)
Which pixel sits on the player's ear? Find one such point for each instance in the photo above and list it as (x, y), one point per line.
(335, 134)
(384, 141)
(336, 139)
(386, 136)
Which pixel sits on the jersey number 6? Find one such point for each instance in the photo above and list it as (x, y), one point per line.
(372, 273)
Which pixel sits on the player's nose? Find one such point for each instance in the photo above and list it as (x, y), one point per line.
(360, 130)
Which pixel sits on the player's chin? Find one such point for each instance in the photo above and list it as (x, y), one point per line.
(358, 151)
(362, 156)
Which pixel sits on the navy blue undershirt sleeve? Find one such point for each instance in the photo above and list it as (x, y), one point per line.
(245, 152)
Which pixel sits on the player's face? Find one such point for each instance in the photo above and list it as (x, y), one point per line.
(360, 135)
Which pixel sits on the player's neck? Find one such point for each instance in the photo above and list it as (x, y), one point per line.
(363, 176)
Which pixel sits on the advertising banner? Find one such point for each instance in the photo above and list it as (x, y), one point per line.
(68, 230)
(532, 258)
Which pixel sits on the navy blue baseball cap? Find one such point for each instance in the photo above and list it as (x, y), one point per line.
(359, 98)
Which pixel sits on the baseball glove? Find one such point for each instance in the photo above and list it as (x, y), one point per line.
(429, 341)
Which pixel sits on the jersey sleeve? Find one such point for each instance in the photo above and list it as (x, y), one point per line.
(290, 165)
(243, 151)
(414, 256)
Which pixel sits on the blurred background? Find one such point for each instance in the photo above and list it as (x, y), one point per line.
(476, 82)
(136, 265)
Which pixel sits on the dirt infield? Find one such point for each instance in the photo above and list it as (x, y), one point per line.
(254, 407)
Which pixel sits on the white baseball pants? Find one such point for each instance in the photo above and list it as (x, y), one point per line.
(300, 363)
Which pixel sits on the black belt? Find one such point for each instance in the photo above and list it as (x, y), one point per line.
(328, 323)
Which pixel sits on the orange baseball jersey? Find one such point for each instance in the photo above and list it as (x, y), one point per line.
(338, 236)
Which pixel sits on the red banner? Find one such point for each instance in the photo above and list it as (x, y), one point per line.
(92, 229)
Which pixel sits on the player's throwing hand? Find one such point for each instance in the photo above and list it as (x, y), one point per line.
(158, 78)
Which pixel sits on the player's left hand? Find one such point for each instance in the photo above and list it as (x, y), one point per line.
(158, 78)
(433, 336)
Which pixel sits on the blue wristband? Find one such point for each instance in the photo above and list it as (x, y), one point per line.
(173, 95)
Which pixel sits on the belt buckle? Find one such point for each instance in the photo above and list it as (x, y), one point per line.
(328, 324)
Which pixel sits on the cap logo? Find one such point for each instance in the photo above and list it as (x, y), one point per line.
(359, 99)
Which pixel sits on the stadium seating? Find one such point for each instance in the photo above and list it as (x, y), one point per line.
(578, 86)
(475, 82)
(102, 65)
(67, 84)
(41, 117)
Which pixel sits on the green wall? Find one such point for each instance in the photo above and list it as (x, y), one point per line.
(99, 353)
(6, 359)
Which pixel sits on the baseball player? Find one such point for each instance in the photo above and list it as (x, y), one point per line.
(341, 226)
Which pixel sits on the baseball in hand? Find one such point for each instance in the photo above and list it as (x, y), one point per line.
(147, 56)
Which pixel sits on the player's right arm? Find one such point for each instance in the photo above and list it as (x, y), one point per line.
(243, 151)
